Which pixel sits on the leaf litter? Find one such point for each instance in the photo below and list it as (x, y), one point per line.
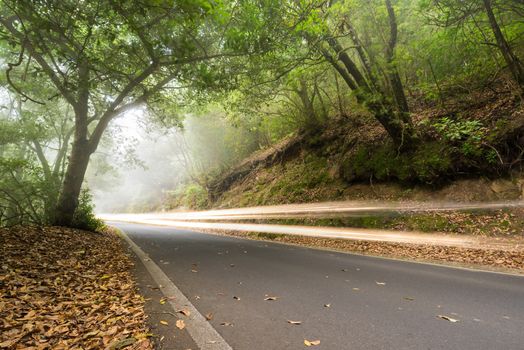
(68, 289)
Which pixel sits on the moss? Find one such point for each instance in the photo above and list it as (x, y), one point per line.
(426, 164)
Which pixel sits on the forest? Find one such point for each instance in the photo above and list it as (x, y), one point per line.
(411, 91)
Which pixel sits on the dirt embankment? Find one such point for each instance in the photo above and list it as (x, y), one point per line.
(470, 150)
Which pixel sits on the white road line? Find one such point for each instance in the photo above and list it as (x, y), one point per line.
(205, 336)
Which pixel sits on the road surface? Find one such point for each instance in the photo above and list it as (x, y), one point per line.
(346, 301)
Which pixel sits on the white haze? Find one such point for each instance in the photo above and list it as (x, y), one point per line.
(143, 166)
(138, 166)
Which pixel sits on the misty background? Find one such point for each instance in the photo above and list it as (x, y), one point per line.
(141, 165)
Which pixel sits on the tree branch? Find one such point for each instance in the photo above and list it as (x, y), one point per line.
(25, 42)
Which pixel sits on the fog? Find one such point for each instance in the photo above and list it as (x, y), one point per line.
(135, 168)
(140, 164)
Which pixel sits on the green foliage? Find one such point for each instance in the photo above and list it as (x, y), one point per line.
(85, 217)
(468, 135)
(296, 181)
(191, 196)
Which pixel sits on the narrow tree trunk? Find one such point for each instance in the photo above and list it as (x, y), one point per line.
(73, 179)
(511, 59)
(394, 77)
(307, 105)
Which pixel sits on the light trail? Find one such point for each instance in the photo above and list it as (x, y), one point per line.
(311, 231)
(333, 209)
(195, 220)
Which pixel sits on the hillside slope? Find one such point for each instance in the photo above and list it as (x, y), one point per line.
(470, 150)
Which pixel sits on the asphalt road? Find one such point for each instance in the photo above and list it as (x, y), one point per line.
(373, 303)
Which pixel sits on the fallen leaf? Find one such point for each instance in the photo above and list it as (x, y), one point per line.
(194, 271)
(209, 316)
(165, 323)
(294, 322)
(327, 305)
(180, 324)
(380, 283)
(226, 324)
(162, 301)
(270, 298)
(311, 342)
(236, 298)
(120, 344)
(184, 312)
(447, 318)
(356, 288)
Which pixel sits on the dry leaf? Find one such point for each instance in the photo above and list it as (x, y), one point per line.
(180, 324)
(209, 316)
(380, 283)
(271, 298)
(294, 322)
(327, 305)
(184, 312)
(165, 323)
(311, 342)
(236, 298)
(447, 318)
(226, 324)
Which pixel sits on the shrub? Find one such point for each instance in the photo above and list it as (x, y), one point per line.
(467, 134)
(195, 197)
(84, 217)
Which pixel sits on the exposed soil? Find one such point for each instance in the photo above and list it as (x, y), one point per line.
(63, 288)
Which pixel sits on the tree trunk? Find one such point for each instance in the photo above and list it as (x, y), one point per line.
(398, 127)
(394, 77)
(511, 59)
(73, 179)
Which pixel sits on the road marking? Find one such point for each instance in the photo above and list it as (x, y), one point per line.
(205, 336)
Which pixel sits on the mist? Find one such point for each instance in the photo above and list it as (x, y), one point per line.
(139, 166)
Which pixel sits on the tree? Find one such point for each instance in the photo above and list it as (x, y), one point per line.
(107, 57)
(514, 64)
(362, 78)
(453, 13)
(32, 157)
